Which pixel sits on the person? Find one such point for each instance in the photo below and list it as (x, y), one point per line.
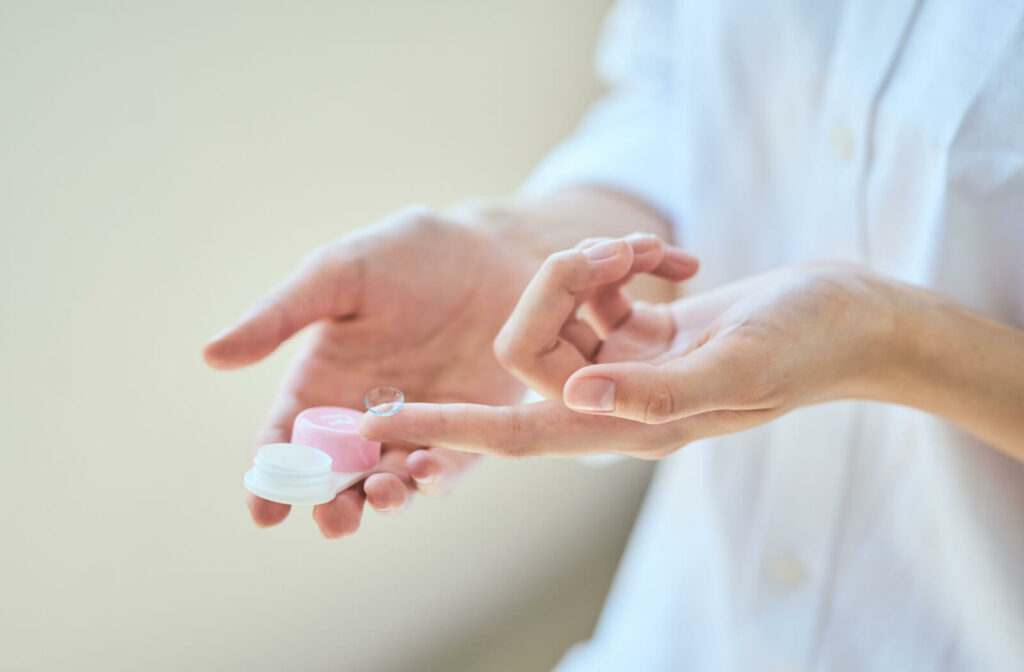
(837, 399)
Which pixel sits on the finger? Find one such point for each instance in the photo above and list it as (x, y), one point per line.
(676, 265)
(543, 428)
(326, 284)
(386, 493)
(609, 306)
(581, 336)
(590, 242)
(264, 512)
(436, 470)
(699, 382)
(341, 516)
(390, 489)
(276, 429)
(529, 344)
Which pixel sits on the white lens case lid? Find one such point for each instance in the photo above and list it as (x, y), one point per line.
(290, 473)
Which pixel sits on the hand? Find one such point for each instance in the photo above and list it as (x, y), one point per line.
(645, 380)
(412, 302)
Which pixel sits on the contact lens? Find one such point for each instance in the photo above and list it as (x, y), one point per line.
(384, 401)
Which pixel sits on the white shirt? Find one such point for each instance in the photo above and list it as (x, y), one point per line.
(847, 536)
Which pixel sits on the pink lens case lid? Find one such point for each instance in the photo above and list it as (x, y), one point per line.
(335, 431)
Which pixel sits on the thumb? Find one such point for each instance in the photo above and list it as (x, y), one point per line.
(651, 394)
(322, 286)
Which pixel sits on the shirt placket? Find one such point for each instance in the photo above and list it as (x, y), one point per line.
(799, 554)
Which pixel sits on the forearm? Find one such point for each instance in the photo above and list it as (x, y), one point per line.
(958, 365)
(564, 218)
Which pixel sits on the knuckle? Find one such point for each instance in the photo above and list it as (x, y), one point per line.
(510, 351)
(660, 406)
(513, 447)
(419, 220)
(645, 243)
(646, 238)
(562, 268)
(503, 349)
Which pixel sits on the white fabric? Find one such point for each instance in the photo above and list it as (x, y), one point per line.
(848, 536)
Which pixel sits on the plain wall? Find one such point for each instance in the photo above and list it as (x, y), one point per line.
(163, 164)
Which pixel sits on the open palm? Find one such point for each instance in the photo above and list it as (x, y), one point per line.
(413, 302)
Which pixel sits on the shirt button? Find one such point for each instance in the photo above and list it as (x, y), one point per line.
(840, 140)
(786, 571)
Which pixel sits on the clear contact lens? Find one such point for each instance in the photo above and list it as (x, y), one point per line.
(384, 401)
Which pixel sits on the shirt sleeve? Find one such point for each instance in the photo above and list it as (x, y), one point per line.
(623, 142)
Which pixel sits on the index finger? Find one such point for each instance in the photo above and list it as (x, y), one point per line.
(531, 344)
(546, 428)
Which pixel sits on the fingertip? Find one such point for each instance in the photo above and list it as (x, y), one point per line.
(688, 260)
(437, 471)
(393, 428)
(607, 262)
(373, 427)
(231, 347)
(424, 467)
(644, 243)
(264, 512)
(214, 354)
(238, 346)
(608, 250)
(385, 493)
(341, 516)
(678, 265)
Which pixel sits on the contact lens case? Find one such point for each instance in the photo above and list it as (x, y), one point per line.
(325, 455)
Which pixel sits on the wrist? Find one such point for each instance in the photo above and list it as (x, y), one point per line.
(563, 218)
(507, 222)
(958, 365)
(869, 334)
(913, 345)
(537, 228)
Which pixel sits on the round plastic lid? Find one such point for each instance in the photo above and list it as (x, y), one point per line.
(291, 474)
(335, 431)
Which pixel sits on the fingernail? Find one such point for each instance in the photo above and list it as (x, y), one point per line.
(386, 509)
(425, 481)
(591, 394)
(605, 250)
(642, 242)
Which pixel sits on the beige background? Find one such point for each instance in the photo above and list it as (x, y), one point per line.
(161, 164)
